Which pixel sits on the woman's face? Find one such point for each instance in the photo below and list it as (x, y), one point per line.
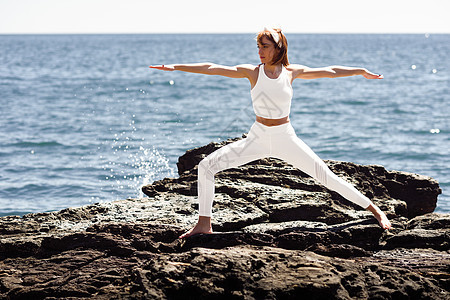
(266, 50)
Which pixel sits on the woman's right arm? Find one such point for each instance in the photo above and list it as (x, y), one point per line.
(239, 71)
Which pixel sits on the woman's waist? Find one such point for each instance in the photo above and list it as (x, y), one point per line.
(272, 122)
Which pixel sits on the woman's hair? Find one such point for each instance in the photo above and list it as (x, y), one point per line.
(281, 46)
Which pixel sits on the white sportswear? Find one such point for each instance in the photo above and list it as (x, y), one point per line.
(270, 141)
(271, 98)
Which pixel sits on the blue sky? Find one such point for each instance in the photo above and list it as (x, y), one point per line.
(231, 16)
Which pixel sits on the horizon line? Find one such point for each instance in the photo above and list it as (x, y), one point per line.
(199, 33)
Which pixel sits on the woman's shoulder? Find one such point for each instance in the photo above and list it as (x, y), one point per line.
(296, 70)
(250, 71)
(247, 67)
(295, 67)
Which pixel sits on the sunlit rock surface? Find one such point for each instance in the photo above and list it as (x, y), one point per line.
(278, 235)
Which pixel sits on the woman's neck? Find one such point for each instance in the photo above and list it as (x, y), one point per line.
(273, 69)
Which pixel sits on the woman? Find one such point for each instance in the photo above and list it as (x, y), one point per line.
(272, 134)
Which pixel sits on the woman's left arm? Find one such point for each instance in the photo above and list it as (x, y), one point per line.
(305, 72)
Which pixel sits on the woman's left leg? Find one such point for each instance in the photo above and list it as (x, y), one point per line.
(290, 148)
(293, 150)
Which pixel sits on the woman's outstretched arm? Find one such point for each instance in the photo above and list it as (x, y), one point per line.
(305, 72)
(239, 71)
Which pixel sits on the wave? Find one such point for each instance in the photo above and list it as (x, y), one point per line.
(41, 191)
(12, 78)
(36, 144)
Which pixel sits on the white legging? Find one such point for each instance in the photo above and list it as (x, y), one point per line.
(270, 141)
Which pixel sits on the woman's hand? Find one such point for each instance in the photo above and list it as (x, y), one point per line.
(163, 67)
(370, 75)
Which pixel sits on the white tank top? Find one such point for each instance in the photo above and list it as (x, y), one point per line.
(272, 97)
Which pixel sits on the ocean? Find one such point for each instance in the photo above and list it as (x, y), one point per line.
(84, 120)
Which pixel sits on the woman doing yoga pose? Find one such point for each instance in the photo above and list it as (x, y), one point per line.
(272, 134)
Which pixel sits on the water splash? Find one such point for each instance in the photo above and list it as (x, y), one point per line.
(149, 165)
(135, 168)
(131, 163)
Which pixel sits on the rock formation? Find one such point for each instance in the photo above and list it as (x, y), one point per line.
(278, 235)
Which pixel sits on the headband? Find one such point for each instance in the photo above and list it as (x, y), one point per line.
(275, 35)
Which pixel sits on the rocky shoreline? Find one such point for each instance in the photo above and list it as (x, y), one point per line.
(278, 235)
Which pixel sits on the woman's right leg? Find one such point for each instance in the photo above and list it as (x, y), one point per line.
(229, 156)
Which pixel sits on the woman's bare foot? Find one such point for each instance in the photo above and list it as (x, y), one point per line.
(203, 226)
(380, 216)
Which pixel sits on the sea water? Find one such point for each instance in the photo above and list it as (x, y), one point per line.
(83, 119)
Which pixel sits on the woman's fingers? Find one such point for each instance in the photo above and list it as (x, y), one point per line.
(370, 75)
(376, 76)
(163, 67)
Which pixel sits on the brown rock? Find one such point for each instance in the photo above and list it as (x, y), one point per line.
(278, 235)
